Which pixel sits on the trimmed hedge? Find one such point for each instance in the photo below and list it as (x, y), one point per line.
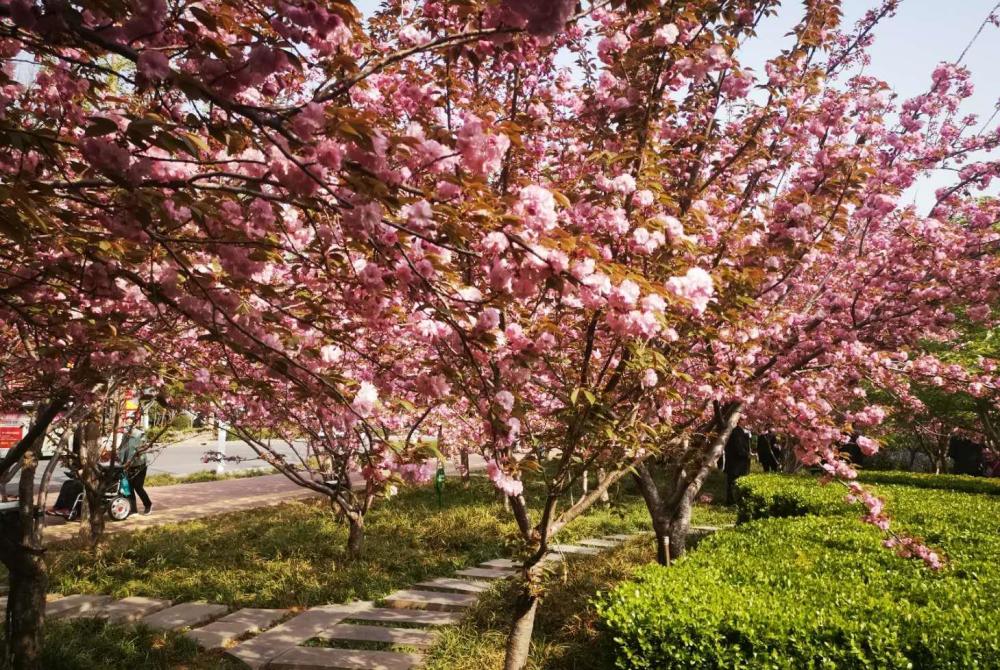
(820, 590)
(963, 483)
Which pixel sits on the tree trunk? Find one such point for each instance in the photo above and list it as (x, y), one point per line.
(465, 466)
(523, 625)
(601, 474)
(355, 536)
(21, 553)
(654, 505)
(92, 516)
(26, 605)
(679, 525)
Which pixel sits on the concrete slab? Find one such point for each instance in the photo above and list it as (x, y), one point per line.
(257, 652)
(222, 633)
(411, 637)
(599, 544)
(132, 608)
(430, 600)
(452, 585)
(185, 615)
(575, 549)
(486, 573)
(318, 658)
(416, 617)
(82, 605)
(501, 563)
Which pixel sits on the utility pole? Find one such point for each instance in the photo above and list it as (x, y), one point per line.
(221, 465)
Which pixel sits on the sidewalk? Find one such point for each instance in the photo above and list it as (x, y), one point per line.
(184, 502)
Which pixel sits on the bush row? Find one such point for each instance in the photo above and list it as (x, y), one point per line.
(818, 590)
(963, 483)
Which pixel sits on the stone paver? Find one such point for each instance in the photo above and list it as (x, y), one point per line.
(486, 573)
(225, 631)
(410, 637)
(125, 610)
(620, 537)
(600, 544)
(185, 615)
(501, 563)
(453, 585)
(430, 600)
(318, 658)
(257, 652)
(575, 549)
(75, 605)
(419, 617)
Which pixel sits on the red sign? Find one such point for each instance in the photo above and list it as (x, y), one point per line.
(10, 436)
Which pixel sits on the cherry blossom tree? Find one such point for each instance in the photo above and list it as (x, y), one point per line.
(607, 236)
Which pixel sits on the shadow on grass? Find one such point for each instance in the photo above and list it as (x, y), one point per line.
(566, 636)
(292, 555)
(89, 644)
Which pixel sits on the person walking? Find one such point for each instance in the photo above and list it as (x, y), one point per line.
(134, 461)
(768, 452)
(737, 460)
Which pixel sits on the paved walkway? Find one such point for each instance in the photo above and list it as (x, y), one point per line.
(359, 635)
(184, 502)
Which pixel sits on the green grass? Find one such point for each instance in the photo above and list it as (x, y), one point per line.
(804, 584)
(294, 555)
(167, 479)
(89, 644)
(567, 631)
(566, 634)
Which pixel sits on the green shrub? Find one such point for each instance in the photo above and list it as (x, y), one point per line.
(964, 483)
(181, 422)
(820, 590)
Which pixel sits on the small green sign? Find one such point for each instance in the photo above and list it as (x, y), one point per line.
(439, 482)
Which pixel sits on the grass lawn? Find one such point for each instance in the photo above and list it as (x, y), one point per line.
(566, 635)
(89, 644)
(294, 556)
(167, 479)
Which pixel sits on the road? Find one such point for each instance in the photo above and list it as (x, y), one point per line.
(185, 457)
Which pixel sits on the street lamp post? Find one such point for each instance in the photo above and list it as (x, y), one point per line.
(221, 465)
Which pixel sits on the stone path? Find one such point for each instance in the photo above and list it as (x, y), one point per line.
(321, 638)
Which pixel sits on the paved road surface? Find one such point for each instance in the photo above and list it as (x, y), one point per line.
(182, 502)
(185, 457)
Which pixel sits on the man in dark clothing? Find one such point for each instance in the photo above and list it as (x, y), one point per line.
(966, 454)
(737, 455)
(768, 452)
(134, 460)
(853, 450)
